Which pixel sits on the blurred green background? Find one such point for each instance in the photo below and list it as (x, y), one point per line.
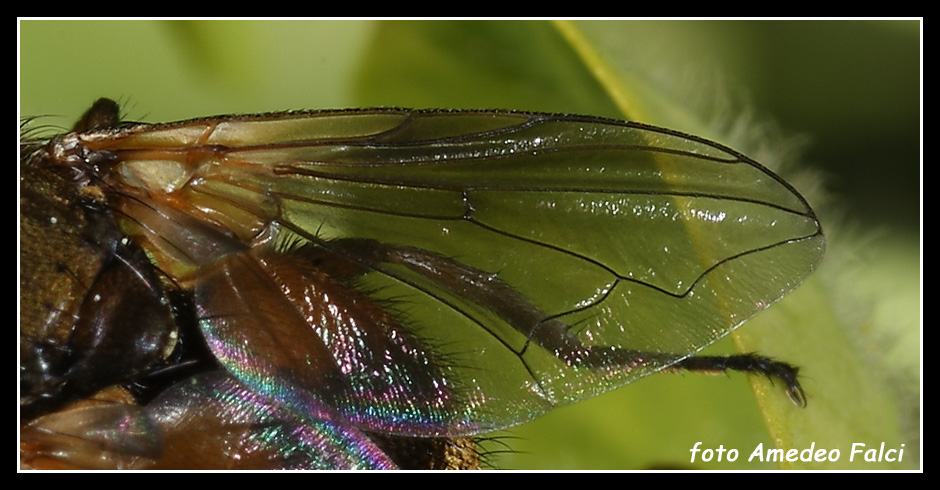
(846, 93)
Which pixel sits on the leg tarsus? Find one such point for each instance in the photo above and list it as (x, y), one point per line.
(750, 363)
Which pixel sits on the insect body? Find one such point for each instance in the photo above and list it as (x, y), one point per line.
(420, 273)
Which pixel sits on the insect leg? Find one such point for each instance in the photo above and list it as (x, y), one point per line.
(749, 363)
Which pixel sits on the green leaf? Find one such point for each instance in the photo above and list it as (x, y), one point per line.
(639, 70)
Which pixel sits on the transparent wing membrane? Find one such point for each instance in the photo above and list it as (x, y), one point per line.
(437, 273)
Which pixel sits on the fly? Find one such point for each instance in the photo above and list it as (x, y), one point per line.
(368, 274)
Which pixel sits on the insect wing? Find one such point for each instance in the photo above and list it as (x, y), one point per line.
(527, 260)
